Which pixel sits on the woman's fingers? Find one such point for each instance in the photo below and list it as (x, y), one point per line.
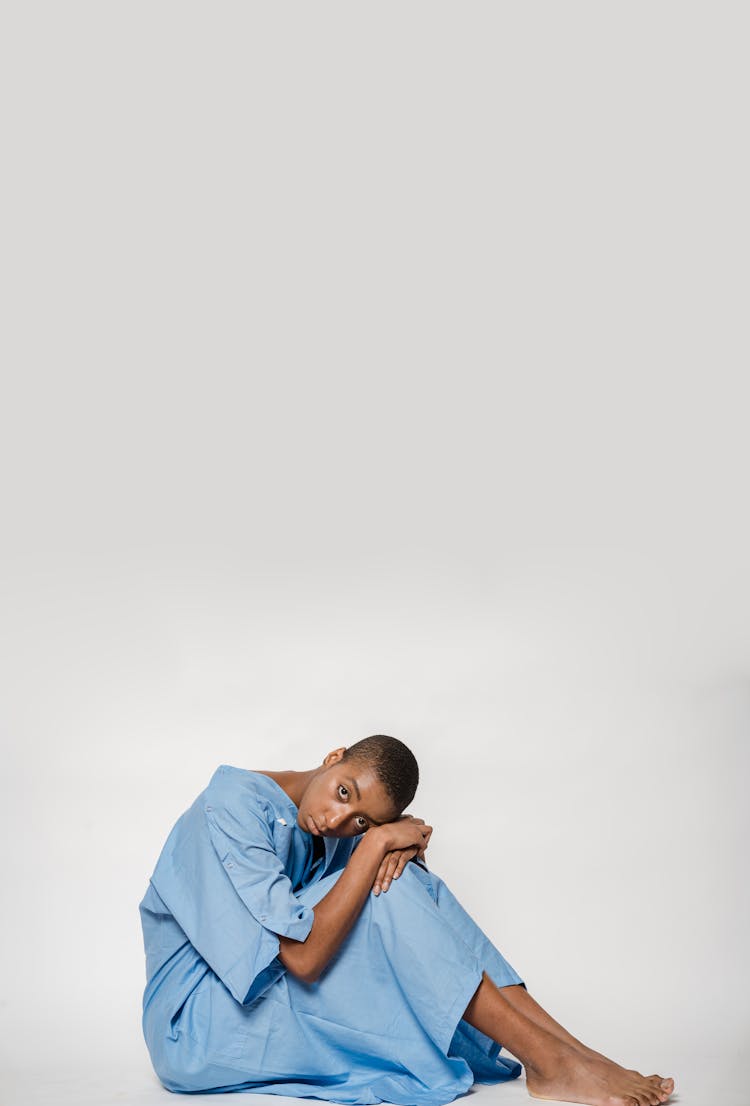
(383, 877)
(392, 866)
(378, 884)
(399, 860)
(395, 861)
(404, 860)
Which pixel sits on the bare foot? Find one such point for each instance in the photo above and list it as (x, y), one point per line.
(524, 1003)
(598, 1082)
(658, 1082)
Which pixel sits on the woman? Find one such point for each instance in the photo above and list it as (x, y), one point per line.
(293, 949)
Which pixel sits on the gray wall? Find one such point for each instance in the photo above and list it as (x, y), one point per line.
(381, 370)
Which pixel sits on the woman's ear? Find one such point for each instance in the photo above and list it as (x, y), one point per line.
(335, 756)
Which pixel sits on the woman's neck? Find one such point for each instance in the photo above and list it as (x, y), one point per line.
(294, 783)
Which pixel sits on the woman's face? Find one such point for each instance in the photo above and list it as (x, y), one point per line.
(344, 800)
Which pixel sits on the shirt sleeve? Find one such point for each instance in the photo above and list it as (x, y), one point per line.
(244, 844)
(223, 882)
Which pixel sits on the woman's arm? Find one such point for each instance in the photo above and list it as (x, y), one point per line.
(337, 912)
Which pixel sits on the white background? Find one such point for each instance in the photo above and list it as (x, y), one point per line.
(380, 369)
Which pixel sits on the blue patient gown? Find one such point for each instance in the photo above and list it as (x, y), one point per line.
(383, 1023)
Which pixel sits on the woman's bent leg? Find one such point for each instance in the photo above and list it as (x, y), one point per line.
(515, 992)
(382, 1020)
(521, 1000)
(554, 1069)
(386, 1019)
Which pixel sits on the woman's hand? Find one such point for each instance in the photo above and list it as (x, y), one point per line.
(406, 832)
(396, 859)
(393, 865)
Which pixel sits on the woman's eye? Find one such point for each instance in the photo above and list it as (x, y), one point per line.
(342, 788)
(361, 819)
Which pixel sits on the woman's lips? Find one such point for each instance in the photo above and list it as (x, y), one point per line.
(313, 827)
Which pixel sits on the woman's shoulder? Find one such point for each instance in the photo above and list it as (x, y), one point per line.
(244, 784)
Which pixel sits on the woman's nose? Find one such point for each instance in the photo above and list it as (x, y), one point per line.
(333, 820)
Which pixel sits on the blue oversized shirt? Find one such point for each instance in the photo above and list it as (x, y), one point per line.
(223, 889)
(382, 1024)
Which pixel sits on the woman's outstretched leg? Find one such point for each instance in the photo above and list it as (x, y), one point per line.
(555, 1068)
(521, 1000)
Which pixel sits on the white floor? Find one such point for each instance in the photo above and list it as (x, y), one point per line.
(702, 1080)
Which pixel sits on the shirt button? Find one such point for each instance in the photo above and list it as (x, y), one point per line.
(229, 864)
(209, 809)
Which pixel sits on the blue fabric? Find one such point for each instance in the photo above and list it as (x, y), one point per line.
(383, 1022)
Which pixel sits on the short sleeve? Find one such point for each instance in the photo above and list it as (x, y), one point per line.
(244, 845)
(221, 878)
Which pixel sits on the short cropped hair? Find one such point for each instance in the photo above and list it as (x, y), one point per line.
(393, 763)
